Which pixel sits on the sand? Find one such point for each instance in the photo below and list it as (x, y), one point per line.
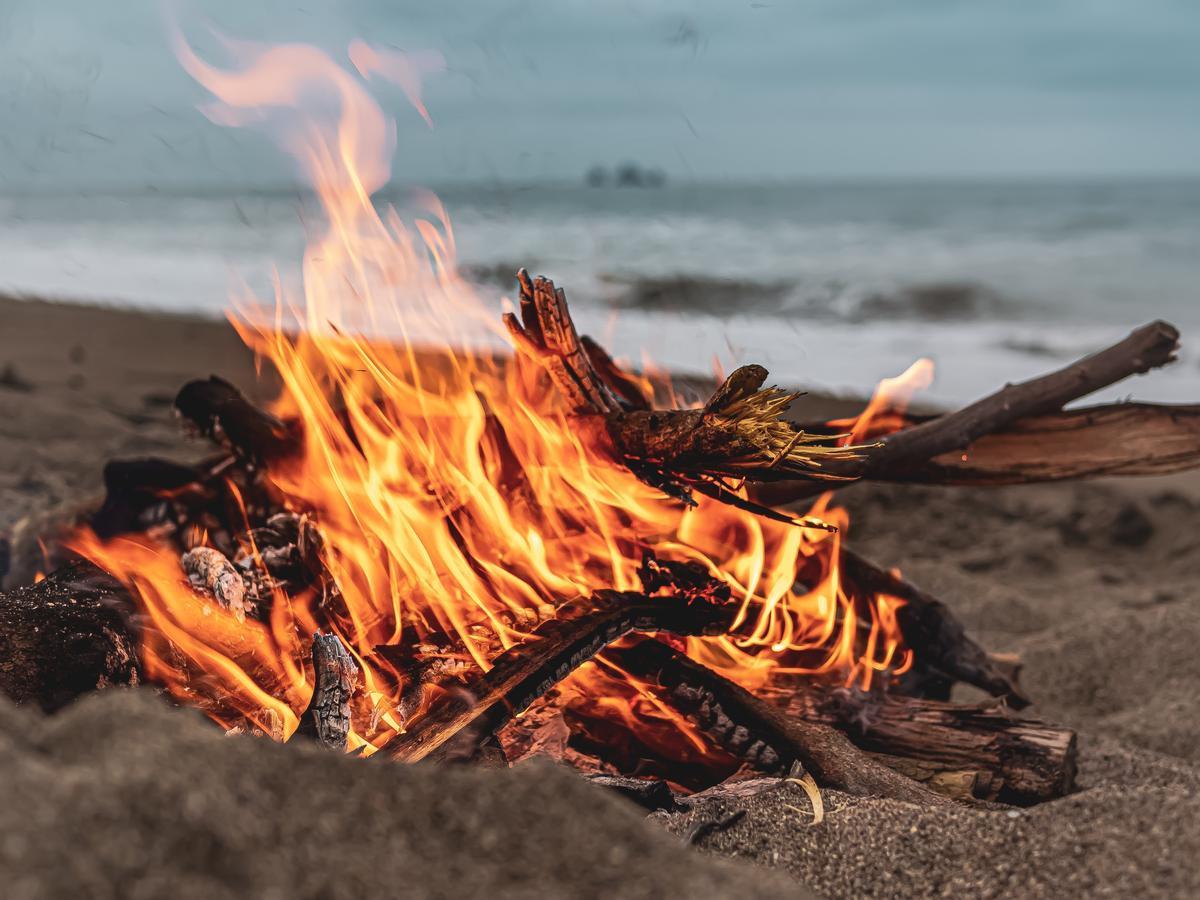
(1094, 584)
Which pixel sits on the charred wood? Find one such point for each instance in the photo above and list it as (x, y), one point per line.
(650, 794)
(65, 636)
(219, 411)
(735, 717)
(335, 674)
(932, 632)
(523, 673)
(209, 571)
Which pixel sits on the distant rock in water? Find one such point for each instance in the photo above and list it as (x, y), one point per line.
(697, 294)
(935, 302)
(501, 274)
(627, 174)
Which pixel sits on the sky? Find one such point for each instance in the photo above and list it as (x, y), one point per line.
(92, 97)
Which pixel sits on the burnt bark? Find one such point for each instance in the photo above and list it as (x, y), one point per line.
(65, 636)
(335, 674)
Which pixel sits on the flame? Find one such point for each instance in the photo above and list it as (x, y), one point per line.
(885, 411)
(454, 496)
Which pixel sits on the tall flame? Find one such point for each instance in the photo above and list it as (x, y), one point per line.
(452, 498)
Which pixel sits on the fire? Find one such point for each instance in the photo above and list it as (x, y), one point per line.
(453, 494)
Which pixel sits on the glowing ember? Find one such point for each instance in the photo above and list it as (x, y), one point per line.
(454, 497)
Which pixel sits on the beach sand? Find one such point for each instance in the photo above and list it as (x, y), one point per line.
(1095, 585)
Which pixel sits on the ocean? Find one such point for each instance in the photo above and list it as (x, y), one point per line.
(831, 285)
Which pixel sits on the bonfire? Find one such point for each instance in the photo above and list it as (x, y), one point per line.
(465, 533)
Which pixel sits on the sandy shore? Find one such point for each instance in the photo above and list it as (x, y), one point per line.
(1096, 585)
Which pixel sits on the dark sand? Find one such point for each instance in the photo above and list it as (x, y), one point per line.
(1094, 584)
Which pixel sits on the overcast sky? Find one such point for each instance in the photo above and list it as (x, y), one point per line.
(91, 95)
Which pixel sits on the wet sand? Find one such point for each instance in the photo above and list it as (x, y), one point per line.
(1094, 584)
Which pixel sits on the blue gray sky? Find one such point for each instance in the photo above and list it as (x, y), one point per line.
(92, 97)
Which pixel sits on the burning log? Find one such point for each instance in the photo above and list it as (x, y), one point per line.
(65, 636)
(523, 673)
(1011, 759)
(327, 719)
(738, 719)
(934, 634)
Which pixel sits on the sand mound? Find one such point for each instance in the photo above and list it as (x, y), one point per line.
(122, 796)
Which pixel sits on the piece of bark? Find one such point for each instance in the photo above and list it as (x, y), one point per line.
(335, 674)
(823, 751)
(648, 793)
(66, 636)
(1027, 761)
(931, 631)
(220, 411)
(560, 645)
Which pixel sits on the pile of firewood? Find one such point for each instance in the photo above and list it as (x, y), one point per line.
(79, 630)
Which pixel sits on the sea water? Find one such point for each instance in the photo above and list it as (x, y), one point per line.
(831, 285)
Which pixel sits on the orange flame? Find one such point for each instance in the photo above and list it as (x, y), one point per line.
(453, 497)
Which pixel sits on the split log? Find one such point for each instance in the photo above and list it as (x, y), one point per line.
(1119, 439)
(65, 636)
(521, 674)
(738, 720)
(1145, 348)
(932, 632)
(335, 674)
(1024, 760)
(1092, 442)
(955, 439)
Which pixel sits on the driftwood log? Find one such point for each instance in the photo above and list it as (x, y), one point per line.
(66, 636)
(737, 719)
(520, 675)
(1015, 760)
